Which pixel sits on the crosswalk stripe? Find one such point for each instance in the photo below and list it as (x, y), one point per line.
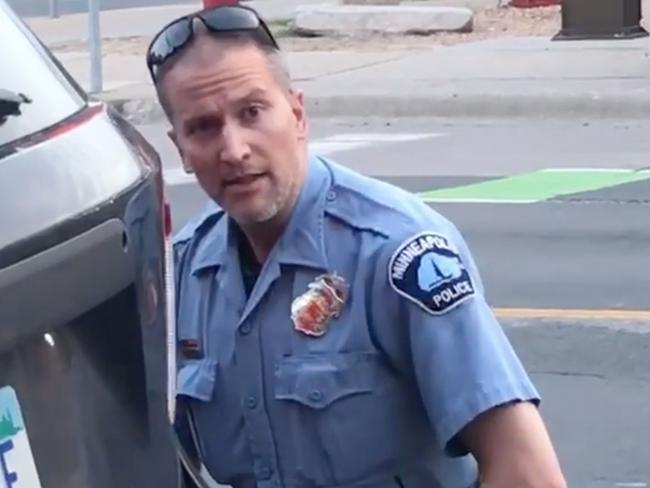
(345, 142)
(177, 177)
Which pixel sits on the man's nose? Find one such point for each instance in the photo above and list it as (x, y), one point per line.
(234, 148)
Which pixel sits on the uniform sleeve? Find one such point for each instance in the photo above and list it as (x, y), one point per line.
(431, 317)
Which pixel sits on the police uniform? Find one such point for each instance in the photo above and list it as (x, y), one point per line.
(356, 353)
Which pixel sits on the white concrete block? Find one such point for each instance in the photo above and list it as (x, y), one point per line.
(370, 2)
(474, 5)
(387, 19)
(645, 14)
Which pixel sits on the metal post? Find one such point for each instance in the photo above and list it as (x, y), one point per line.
(54, 8)
(95, 48)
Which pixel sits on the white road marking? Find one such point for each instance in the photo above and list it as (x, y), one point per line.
(324, 146)
(631, 485)
(177, 176)
(593, 170)
(328, 147)
(475, 200)
(374, 137)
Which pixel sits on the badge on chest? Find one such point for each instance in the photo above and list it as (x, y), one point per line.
(323, 301)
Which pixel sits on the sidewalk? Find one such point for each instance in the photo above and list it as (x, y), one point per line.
(144, 21)
(518, 77)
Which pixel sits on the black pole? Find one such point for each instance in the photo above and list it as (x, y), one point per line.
(600, 19)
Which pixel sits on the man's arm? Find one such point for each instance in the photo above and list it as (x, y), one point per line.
(465, 368)
(513, 448)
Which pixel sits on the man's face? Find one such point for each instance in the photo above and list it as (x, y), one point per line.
(237, 129)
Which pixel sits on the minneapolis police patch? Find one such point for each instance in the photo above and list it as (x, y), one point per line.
(428, 270)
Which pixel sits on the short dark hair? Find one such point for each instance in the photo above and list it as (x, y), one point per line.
(230, 39)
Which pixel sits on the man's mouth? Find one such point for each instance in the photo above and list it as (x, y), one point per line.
(243, 181)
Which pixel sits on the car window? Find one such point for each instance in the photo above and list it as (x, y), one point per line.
(34, 93)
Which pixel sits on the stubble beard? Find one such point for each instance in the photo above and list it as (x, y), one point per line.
(280, 201)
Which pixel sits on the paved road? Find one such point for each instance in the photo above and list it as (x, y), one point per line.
(32, 8)
(578, 250)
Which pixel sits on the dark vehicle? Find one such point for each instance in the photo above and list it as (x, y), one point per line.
(84, 295)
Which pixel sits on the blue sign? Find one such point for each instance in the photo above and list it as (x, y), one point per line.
(17, 466)
(428, 270)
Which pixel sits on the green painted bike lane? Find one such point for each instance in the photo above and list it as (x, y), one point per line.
(537, 186)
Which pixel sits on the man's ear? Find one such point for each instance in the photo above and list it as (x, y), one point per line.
(174, 138)
(299, 112)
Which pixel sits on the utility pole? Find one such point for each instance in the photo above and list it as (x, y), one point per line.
(94, 46)
(54, 8)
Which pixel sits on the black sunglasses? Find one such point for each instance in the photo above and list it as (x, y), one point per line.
(224, 19)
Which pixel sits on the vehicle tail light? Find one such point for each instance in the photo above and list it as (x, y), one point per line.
(74, 122)
(68, 125)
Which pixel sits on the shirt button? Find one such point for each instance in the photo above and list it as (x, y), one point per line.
(331, 196)
(265, 473)
(316, 396)
(245, 329)
(251, 402)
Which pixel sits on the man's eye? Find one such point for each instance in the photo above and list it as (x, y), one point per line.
(204, 125)
(251, 112)
(201, 126)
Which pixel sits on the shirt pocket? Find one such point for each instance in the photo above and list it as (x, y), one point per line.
(196, 379)
(317, 381)
(343, 413)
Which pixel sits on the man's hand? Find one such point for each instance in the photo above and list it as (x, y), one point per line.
(513, 448)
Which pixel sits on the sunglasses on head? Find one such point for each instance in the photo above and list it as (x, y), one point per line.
(224, 19)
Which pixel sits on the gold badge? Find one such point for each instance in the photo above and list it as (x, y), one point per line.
(312, 311)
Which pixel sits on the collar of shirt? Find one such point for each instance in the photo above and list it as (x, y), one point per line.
(301, 244)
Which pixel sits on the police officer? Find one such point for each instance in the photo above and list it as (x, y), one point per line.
(332, 329)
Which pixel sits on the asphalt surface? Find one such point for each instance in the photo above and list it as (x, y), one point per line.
(34, 8)
(585, 250)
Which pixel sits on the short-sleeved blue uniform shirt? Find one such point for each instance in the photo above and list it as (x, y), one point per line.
(364, 347)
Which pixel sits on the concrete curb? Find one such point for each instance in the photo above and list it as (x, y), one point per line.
(483, 106)
(147, 110)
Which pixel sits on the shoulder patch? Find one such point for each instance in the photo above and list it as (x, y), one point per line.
(428, 270)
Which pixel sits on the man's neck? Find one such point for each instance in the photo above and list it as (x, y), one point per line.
(262, 237)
